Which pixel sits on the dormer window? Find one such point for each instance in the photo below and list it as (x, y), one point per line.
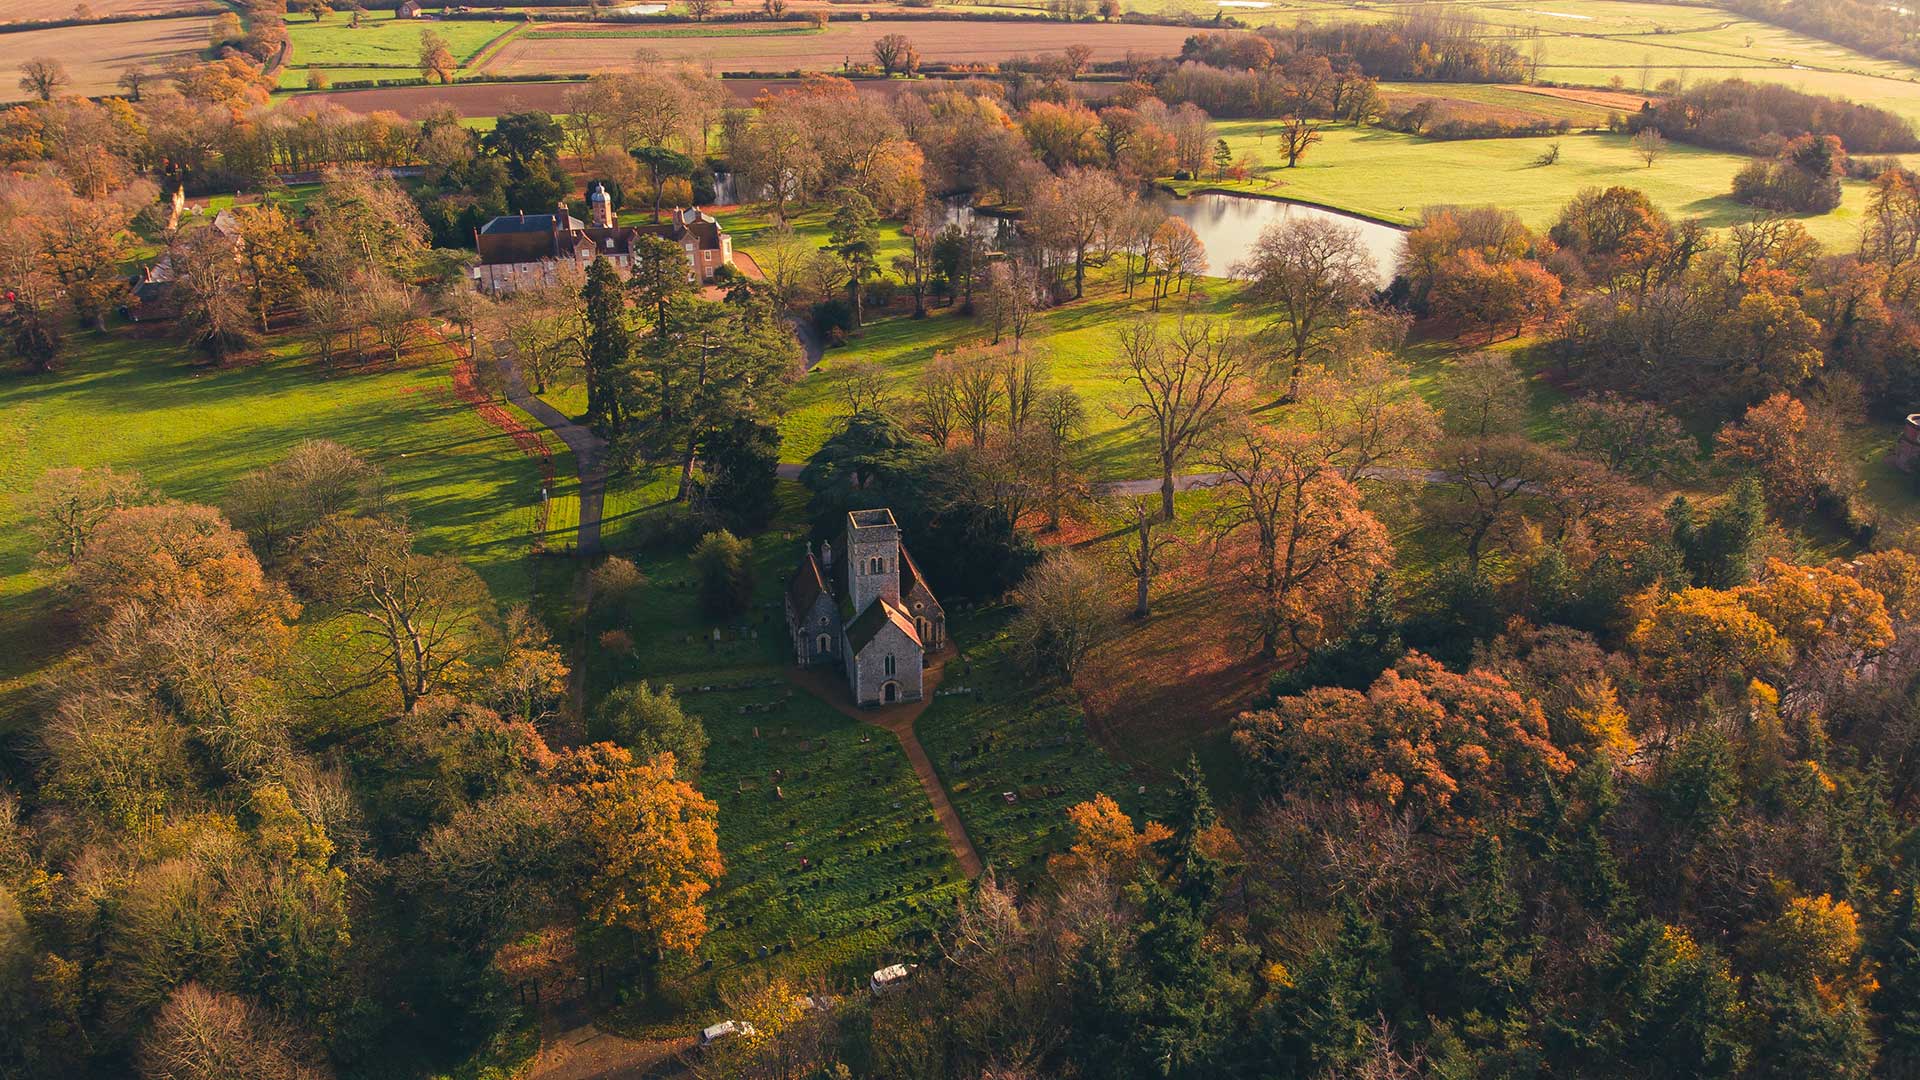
(608, 242)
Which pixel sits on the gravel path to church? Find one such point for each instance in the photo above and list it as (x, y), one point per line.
(899, 720)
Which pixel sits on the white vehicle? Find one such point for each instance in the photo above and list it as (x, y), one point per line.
(889, 977)
(724, 1030)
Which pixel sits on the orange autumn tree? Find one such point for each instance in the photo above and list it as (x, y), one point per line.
(1447, 748)
(1797, 621)
(1105, 843)
(1699, 639)
(1815, 939)
(171, 554)
(1792, 449)
(1818, 610)
(652, 845)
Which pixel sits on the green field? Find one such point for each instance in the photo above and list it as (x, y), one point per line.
(294, 77)
(1391, 176)
(142, 404)
(382, 42)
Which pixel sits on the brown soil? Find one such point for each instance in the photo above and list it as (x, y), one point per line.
(37, 10)
(589, 1053)
(952, 42)
(1616, 100)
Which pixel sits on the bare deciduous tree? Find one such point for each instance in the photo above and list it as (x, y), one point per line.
(936, 400)
(1317, 548)
(862, 385)
(1317, 273)
(1139, 515)
(1064, 613)
(416, 615)
(67, 505)
(1184, 384)
(203, 1034)
(43, 77)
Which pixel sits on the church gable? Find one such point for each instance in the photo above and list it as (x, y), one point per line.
(885, 662)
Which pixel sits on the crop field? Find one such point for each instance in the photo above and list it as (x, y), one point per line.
(37, 10)
(599, 33)
(827, 50)
(1391, 176)
(1508, 104)
(96, 55)
(1591, 42)
(383, 42)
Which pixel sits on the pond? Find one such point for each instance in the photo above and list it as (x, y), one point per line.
(1229, 224)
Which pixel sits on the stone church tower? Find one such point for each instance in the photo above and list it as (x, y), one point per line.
(872, 558)
(882, 628)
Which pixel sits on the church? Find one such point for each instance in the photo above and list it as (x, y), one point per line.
(868, 609)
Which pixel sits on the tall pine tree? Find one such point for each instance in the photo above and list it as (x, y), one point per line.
(609, 348)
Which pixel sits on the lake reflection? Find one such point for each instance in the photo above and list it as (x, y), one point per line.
(1229, 224)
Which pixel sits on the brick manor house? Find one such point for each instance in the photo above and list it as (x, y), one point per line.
(521, 250)
(869, 610)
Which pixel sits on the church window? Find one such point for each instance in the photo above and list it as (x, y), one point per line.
(876, 565)
(889, 663)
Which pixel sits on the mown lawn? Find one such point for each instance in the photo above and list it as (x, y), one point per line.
(1077, 337)
(1392, 177)
(146, 405)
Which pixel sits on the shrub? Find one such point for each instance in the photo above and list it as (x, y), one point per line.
(614, 581)
(726, 574)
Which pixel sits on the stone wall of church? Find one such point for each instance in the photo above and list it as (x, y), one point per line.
(868, 674)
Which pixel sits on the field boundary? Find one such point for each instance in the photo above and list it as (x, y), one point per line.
(491, 49)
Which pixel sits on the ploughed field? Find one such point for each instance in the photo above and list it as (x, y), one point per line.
(568, 48)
